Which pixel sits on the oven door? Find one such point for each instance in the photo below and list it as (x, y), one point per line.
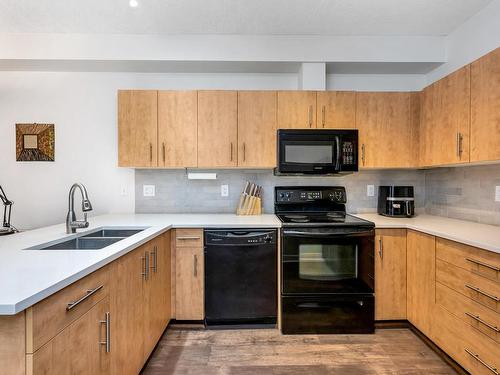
(310, 156)
(327, 260)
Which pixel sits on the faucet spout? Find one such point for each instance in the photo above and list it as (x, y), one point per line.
(71, 223)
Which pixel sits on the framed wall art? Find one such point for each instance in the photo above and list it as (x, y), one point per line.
(35, 142)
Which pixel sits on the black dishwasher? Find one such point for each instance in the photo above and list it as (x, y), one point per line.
(240, 276)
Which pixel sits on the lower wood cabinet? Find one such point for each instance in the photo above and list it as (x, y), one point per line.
(421, 279)
(82, 348)
(390, 274)
(189, 284)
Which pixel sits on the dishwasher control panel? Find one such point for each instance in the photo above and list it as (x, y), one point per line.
(240, 237)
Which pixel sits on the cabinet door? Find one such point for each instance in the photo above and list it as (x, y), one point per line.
(485, 108)
(217, 128)
(296, 109)
(390, 274)
(137, 128)
(128, 324)
(336, 110)
(386, 130)
(421, 280)
(257, 129)
(80, 348)
(177, 128)
(189, 276)
(445, 123)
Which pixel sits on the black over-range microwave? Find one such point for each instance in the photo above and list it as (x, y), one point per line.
(317, 151)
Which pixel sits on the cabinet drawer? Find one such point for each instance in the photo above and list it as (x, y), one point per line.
(189, 237)
(477, 288)
(480, 262)
(470, 348)
(472, 313)
(53, 314)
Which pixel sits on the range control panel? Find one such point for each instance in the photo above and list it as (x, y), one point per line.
(334, 194)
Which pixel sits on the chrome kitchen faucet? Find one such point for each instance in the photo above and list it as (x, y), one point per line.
(71, 223)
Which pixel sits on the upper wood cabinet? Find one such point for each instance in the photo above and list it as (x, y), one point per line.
(421, 279)
(388, 131)
(485, 108)
(177, 129)
(137, 128)
(257, 112)
(296, 109)
(217, 129)
(336, 109)
(390, 274)
(445, 120)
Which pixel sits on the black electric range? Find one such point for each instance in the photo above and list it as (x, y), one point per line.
(327, 262)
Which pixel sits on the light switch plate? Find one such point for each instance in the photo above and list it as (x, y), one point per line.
(497, 193)
(148, 190)
(370, 190)
(224, 190)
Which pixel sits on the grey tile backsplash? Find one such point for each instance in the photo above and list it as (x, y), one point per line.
(175, 193)
(461, 192)
(466, 193)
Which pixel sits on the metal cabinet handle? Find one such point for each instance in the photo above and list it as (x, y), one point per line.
(195, 265)
(163, 151)
(459, 144)
(381, 248)
(476, 289)
(494, 268)
(323, 115)
(310, 116)
(231, 151)
(89, 293)
(154, 255)
(185, 238)
(145, 265)
(244, 151)
(477, 358)
(363, 153)
(151, 152)
(107, 341)
(479, 320)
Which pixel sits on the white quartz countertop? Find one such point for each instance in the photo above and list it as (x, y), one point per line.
(479, 235)
(28, 276)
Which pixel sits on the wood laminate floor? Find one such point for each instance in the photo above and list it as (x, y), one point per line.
(184, 351)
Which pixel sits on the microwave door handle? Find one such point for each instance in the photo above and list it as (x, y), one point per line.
(407, 206)
(337, 142)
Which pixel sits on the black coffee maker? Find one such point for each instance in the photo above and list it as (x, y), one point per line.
(396, 201)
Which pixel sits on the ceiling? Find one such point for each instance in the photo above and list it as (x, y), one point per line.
(269, 17)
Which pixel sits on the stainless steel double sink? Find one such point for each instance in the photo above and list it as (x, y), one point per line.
(95, 239)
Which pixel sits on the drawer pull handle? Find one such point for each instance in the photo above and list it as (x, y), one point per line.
(494, 298)
(89, 293)
(477, 358)
(189, 238)
(154, 255)
(107, 341)
(494, 268)
(479, 320)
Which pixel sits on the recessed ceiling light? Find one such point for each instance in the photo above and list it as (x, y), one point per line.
(133, 3)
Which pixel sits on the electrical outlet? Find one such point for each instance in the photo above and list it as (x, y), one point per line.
(370, 190)
(123, 191)
(148, 190)
(497, 193)
(224, 190)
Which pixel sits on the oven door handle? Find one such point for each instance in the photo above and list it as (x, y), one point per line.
(328, 305)
(294, 233)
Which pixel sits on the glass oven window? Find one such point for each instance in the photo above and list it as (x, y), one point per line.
(328, 262)
(317, 154)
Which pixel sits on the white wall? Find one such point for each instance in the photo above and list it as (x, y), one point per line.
(471, 40)
(83, 108)
(375, 82)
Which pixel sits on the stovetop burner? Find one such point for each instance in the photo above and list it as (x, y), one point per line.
(321, 219)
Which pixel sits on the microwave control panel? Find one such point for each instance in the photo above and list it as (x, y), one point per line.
(348, 153)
